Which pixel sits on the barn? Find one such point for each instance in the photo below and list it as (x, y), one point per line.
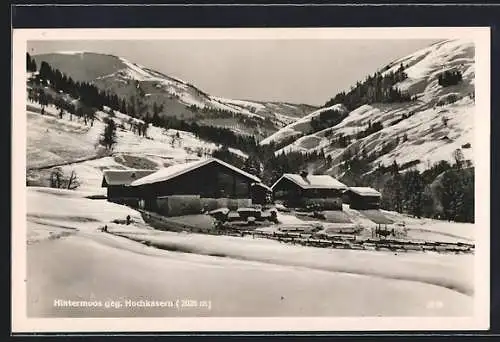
(118, 183)
(303, 190)
(194, 186)
(363, 198)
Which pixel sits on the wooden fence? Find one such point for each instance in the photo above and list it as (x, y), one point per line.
(304, 237)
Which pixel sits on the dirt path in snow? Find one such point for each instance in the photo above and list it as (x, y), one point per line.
(76, 161)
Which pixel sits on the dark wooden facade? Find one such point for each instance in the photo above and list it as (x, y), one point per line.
(116, 192)
(211, 180)
(363, 202)
(261, 194)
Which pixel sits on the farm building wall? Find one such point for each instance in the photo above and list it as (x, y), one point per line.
(261, 195)
(122, 195)
(359, 202)
(230, 203)
(287, 191)
(329, 203)
(116, 191)
(178, 205)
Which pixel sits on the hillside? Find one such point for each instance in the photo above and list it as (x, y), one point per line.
(179, 98)
(422, 131)
(72, 145)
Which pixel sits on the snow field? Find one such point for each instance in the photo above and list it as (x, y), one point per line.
(272, 276)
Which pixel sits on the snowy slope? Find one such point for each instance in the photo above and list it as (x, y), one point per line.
(424, 137)
(72, 145)
(119, 75)
(299, 127)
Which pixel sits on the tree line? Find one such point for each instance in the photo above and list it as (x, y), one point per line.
(376, 88)
(327, 118)
(443, 190)
(89, 94)
(30, 63)
(449, 196)
(219, 113)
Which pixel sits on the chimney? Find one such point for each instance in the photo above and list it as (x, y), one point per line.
(304, 173)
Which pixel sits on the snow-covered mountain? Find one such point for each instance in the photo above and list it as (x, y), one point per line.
(420, 132)
(179, 98)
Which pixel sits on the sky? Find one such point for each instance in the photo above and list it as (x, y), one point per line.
(296, 71)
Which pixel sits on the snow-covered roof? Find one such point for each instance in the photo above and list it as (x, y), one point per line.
(313, 181)
(364, 191)
(123, 177)
(179, 169)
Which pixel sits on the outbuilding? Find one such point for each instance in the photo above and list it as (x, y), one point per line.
(118, 183)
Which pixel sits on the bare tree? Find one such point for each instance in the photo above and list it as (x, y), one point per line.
(73, 181)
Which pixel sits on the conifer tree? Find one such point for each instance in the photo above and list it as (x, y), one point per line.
(450, 195)
(30, 63)
(108, 137)
(414, 190)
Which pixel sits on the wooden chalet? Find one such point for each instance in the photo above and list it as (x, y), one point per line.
(193, 181)
(363, 198)
(303, 190)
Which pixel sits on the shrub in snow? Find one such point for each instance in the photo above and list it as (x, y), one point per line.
(451, 98)
(448, 99)
(449, 78)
